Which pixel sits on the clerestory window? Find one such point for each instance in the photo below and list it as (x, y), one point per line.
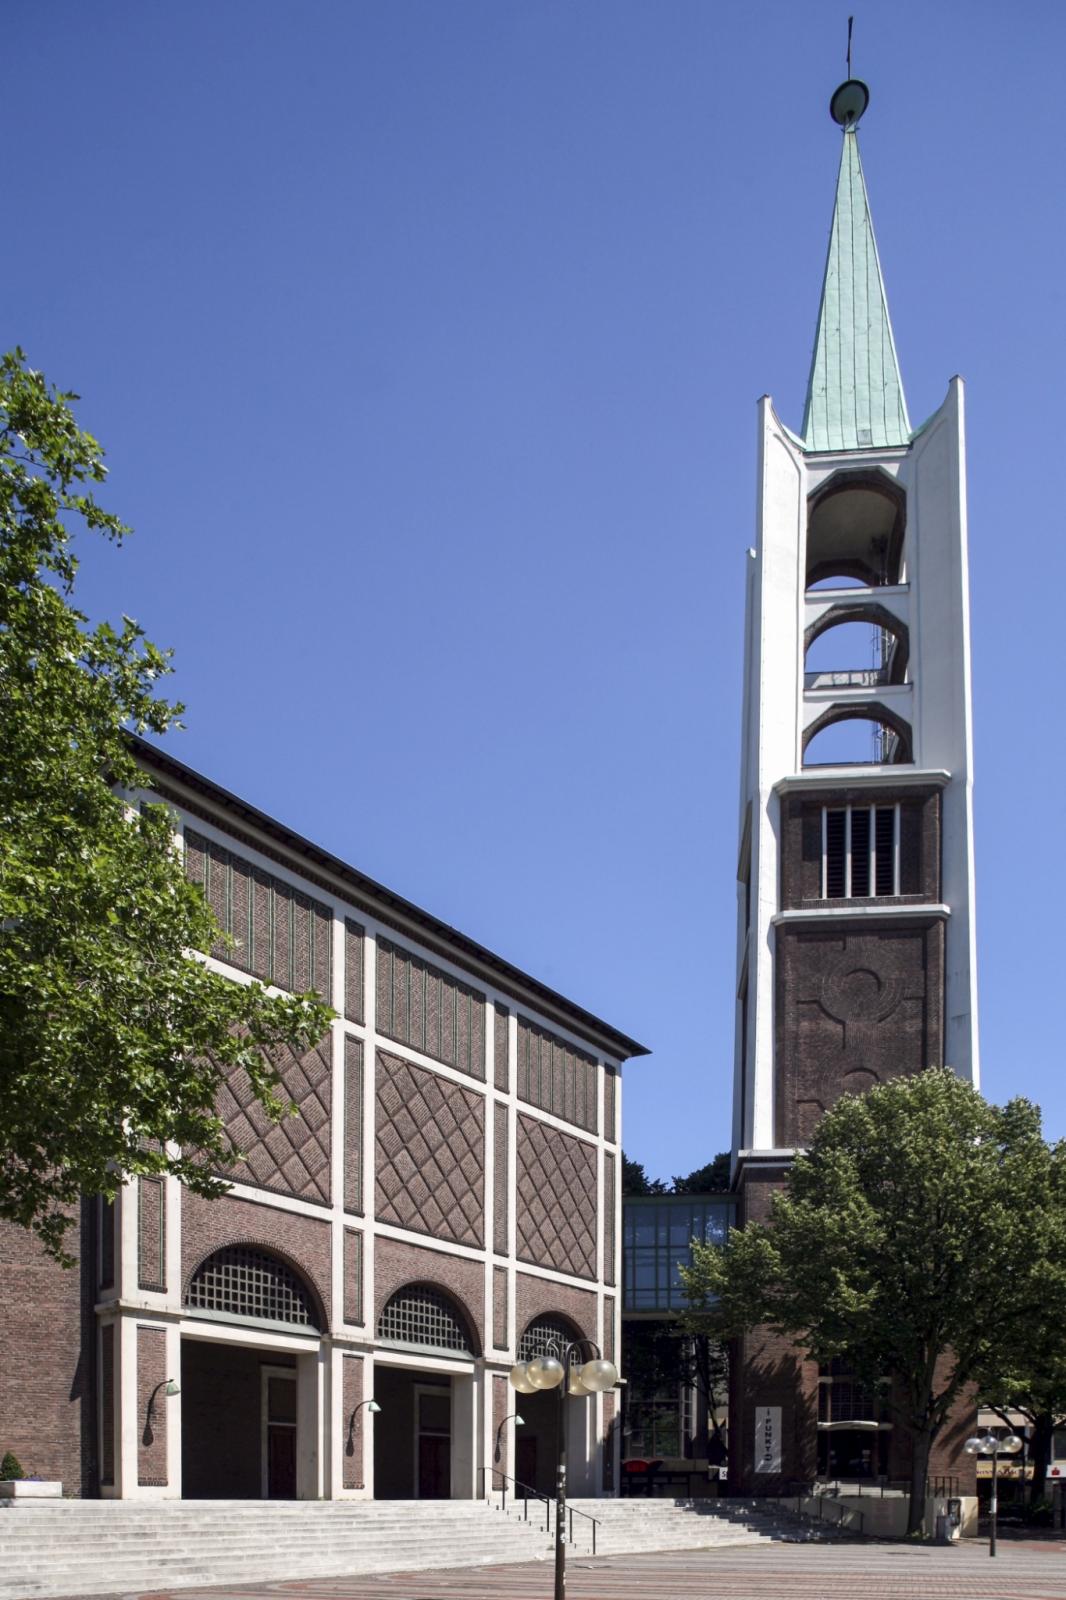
(860, 852)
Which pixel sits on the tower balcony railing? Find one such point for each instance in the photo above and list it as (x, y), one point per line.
(850, 678)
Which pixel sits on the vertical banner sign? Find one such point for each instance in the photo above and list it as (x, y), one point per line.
(768, 1439)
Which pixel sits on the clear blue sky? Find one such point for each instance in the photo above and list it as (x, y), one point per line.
(425, 337)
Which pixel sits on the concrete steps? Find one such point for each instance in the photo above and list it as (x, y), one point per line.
(633, 1525)
(98, 1547)
(103, 1547)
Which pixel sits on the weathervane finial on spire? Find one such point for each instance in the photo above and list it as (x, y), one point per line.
(851, 99)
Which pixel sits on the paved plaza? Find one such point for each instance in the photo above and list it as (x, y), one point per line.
(1021, 1571)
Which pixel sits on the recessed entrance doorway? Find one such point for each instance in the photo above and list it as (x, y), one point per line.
(278, 1453)
(537, 1440)
(412, 1435)
(225, 1436)
(238, 1422)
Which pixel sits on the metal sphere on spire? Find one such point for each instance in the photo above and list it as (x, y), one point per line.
(849, 102)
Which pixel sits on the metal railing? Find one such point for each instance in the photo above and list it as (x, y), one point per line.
(854, 678)
(874, 1487)
(528, 1493)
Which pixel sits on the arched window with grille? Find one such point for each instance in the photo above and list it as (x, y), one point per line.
(242, 1283)
(427, 1319)
(548, 1335)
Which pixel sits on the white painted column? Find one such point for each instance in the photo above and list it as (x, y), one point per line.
(367, 1491)
(312, 1385)
(581, 1441)
(464, 1462)
(127, 1422)
(173, 1404)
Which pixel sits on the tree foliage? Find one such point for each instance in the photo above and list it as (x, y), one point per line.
(113, 1034)
(1030, 1376)
(911, 1238)
(713, 1178)
(635, 1180)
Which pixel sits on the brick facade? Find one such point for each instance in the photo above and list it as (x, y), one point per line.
(48, 1378)
(378, 1182)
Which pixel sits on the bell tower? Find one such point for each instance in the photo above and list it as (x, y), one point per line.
(855, 947)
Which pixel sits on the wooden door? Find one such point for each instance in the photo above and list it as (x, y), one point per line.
(433, 1442)
(281, 1462)
(434, 1467)
(279, 1433)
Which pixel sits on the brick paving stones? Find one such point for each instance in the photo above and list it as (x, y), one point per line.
(767, 1572)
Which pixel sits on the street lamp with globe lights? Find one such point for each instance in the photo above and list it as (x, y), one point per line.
(989, 1445)
(561, 1372)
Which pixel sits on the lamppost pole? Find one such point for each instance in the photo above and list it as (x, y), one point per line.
(550, 1372)
(994, 1447)
(560, 1484)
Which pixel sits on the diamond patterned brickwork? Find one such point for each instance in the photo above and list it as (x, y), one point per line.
(556, 1199)
(291, 1156)
(430, 1153)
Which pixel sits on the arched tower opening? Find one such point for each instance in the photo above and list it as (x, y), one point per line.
(855, 527)
(861, 735)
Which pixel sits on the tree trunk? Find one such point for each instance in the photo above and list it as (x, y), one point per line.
(1040, 1453)
(922, 1444)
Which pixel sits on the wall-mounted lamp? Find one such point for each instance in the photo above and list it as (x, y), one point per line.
(169, 1387)
(373, 1408)
(518, 1421)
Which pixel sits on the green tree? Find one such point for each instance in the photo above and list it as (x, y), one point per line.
(635, 1180)
(113, 1035)
(711, 1179)
(910, 1238)
(1030, 1377)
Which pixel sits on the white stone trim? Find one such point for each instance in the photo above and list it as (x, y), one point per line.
(851, 911)
(872, 777)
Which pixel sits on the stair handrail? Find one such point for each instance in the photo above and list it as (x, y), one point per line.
(527, 1490)
(548, 1502)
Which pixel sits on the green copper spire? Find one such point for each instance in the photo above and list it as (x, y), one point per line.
(854, 393)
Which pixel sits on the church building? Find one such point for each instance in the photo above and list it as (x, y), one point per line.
(342, 1322)
(855, 948)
